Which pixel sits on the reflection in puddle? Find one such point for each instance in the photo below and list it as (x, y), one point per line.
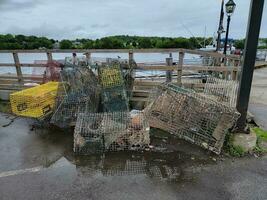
(158, 166)
(168, 165)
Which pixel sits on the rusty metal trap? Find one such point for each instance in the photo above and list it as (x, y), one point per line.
(114, 131)
(192, 116)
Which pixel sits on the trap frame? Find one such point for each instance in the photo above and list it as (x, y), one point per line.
(192, 116)
(113, 131)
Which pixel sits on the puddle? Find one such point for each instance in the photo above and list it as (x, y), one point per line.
(46, 147)
(166, 162)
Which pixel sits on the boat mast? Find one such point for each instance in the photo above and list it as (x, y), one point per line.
(220, 29)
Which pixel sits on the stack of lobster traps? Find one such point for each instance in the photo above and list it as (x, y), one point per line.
(94, 97)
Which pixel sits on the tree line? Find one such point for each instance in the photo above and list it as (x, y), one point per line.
(9, 41)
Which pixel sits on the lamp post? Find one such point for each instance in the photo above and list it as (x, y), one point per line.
(230, 8)
(220, 28)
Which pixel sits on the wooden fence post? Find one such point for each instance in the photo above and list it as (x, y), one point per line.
(131, 57)
(88, 57)
(131, 63)
(169, 62)
(180, 68)
(18, 68)
(235, 72)
(49, 56)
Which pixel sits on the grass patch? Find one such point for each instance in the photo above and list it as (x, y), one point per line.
(229, 148)
(236, 151)
(260, 133)
(261, 147)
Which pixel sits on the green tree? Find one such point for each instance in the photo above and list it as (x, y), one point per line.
(239, 44)
(144, 42)
(88, 44)
(65, 44)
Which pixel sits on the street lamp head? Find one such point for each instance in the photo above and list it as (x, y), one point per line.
(230, 7)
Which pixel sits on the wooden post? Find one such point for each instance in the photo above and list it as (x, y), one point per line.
(180, 68)
(234, 73)
(169, 62)
(49, 56)
(131, 57)
(18, 68)
(88, 57)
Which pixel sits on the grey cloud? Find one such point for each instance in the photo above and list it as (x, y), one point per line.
(15, 5)
(97, 18)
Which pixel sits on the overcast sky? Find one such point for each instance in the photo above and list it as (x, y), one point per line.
(97, 18)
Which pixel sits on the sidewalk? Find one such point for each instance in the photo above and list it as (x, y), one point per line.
(258, 97)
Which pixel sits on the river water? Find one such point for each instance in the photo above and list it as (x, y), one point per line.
(139, 58)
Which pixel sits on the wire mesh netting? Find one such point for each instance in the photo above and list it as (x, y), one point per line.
(114, 131)
(79, 92)
(52, 71)
(114, 96)
(194, 117)
(224, 91)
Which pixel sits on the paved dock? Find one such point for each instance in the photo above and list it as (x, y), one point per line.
(38, 163)
(258, 98)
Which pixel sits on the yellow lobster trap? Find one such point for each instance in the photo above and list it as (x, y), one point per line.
(36, 102)
(110, 76)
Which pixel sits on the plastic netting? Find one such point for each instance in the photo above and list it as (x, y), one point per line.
(37, 102)
(52, 71)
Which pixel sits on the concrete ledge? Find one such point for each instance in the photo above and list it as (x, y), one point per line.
(246, 141)
(4, 94)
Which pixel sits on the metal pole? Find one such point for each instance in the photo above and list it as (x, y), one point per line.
(227, 33)
(253, 30)
(220, 28)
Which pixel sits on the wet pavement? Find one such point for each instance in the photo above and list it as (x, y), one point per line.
(258, 97)
(40, 164)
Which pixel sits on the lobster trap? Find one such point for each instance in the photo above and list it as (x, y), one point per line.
(224, 91)
(110, 76)
(52, 71)
(194, 117)
(116, 131)
(114, 99)
(37, 102)
(114, 96)
(80, 92)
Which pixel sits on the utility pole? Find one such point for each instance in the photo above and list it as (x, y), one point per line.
(253, 30)
(220, 28)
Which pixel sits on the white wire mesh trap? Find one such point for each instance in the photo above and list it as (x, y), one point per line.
(194, 117)
(114, 131)
(224, 91)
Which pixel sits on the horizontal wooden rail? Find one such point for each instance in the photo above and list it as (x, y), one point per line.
(189, 67)
(171, 50)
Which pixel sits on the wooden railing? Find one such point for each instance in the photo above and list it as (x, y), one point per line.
(173, 68)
